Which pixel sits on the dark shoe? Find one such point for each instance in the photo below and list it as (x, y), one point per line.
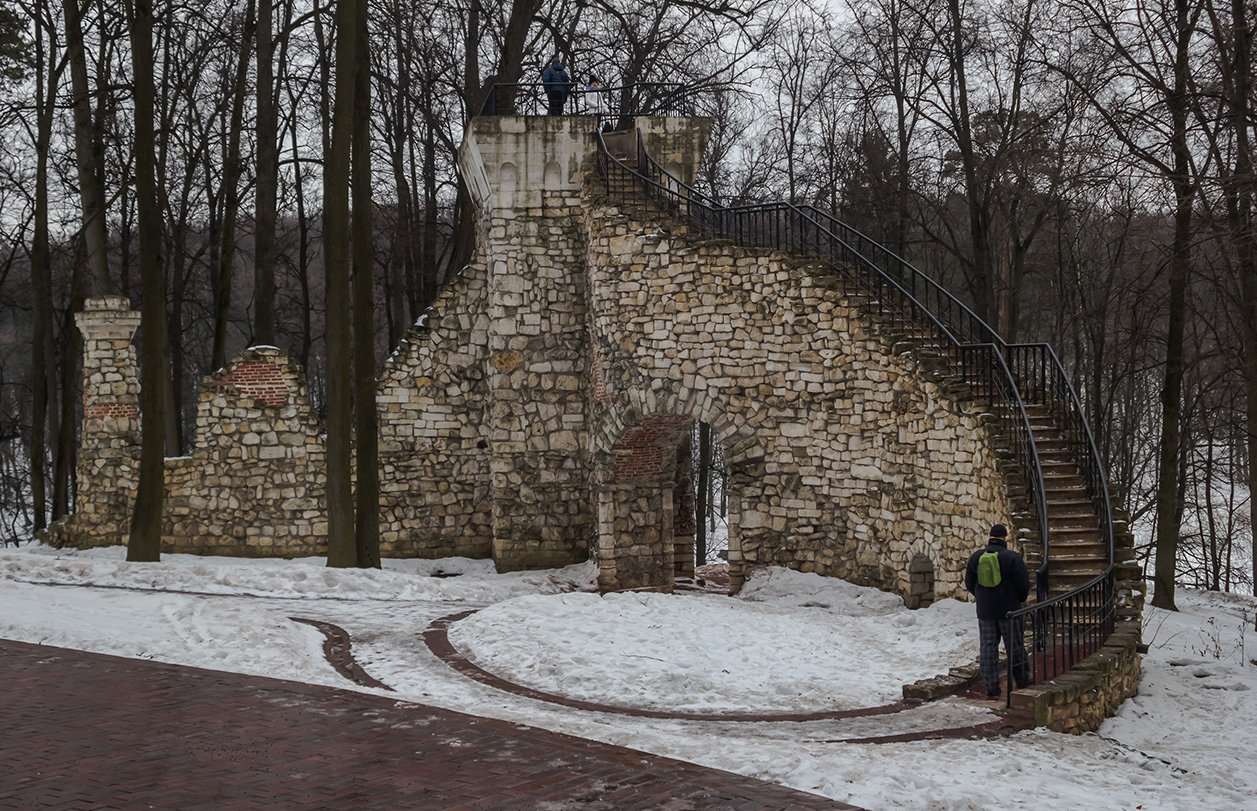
(993, 693)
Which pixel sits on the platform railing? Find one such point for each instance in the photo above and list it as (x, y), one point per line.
(608, 103)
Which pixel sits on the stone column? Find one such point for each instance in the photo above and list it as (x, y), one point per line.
(533, 244)
(109, 446)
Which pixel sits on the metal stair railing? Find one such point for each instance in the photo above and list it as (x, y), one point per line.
(994, 369)
(639, 98)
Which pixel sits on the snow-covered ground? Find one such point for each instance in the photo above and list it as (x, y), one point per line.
(790, 642)
(795, 643)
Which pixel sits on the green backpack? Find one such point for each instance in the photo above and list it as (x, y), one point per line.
(988, 570)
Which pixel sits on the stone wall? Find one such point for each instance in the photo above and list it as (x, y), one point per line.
(533, 243)
(254, 483)
(109, 445)
(845, 459)
(542, 407)
(1092, 690)
(433, 401)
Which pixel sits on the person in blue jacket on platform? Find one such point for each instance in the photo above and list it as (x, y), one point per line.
(558, 84)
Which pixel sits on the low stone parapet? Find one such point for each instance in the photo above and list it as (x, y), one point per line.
(1079, 700)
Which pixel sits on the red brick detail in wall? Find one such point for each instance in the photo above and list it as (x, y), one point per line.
(643, 449)
(258, 380)
(99, 411)
(601, 395)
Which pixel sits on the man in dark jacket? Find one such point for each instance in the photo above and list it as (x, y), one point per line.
(557, 84)
(994, 603)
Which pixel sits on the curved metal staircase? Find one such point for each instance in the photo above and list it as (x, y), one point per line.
(1041, 425)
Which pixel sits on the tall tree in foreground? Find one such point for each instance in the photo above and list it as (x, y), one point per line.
(341, 544)
(231, 196)
(267, 181)
(144, 543)
(1146, 81)
(87, 156)
(1180, 176)
(367, 496)
(43, 355)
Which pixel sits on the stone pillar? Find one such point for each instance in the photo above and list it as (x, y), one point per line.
(683, 529)
(532, 172)
(635, 537)
(109, 445)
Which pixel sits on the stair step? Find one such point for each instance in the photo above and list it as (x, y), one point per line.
(1062, 560)
(1075, 535)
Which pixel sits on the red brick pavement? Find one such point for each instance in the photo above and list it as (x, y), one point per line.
(84, 731)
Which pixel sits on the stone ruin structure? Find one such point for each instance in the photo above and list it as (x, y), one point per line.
(253, 484)
(540, 412)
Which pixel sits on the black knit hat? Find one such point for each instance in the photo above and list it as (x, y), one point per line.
(999, 531)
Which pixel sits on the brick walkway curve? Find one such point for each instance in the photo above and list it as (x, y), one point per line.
(87, 731)
(436, 637)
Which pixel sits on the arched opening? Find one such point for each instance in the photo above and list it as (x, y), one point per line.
(710, 493)
(920, 582)
(662, 505)
(508, 181)
(552, 177)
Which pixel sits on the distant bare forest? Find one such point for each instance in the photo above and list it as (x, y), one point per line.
(1079, 171)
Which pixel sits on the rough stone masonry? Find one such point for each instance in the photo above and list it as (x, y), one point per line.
(539, 412)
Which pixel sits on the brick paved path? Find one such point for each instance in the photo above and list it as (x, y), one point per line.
(86, 731)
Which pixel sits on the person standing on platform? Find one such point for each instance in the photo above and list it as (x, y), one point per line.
(557, 85)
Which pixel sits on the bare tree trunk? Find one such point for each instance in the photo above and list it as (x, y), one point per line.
(510, 67)
(1243, 116)
(267, 181)
(71, 351)
(1180, 269)
(231, 196)
(702, 504)
(367, 502)
(144, 543)
(43, 356)
(87, 159)
(303, 250)
(341, 542)
(981, 283)
(403, 233)
(431, 277)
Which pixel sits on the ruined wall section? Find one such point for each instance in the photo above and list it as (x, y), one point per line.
(433, 421)
(846, 459)
(109, 447)
(255, 481)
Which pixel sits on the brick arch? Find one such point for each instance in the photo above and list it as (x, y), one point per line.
(741, 445)
(642, 485)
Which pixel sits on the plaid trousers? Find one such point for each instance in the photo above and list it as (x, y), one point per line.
(989, 633)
